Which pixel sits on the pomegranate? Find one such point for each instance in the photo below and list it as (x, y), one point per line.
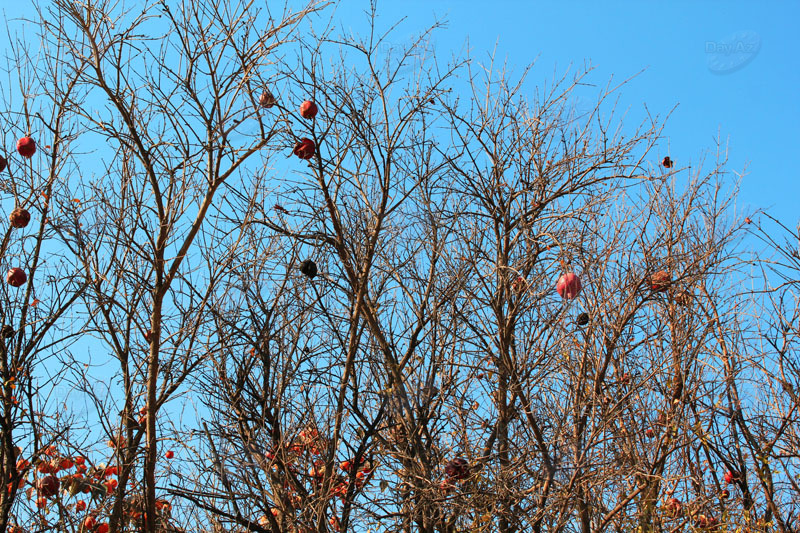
(19, 217)
(48, 486)
(308, 109)
(673, 506)
(667, 162)
(267, 99)
(3, 163)
(519, 284)
(457, 469)
(660, 281)
(16, 277)
(305, 148)
(568, 286)
(309, 268)
(26, 147)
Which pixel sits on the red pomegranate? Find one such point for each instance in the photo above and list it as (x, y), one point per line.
(660, 281)
(667, 162)
(267, 99)
(16, 277)
(26, 147)
(519, 284)
(305, 148)
(457, 469)
(730, 477)
(3, 163)
(48, 486)
(19, 217)
(308, 109)
(673, 506)
(569, 285)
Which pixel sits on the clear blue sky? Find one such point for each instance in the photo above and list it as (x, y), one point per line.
(755, 108)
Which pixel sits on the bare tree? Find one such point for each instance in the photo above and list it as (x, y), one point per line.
(459, 305)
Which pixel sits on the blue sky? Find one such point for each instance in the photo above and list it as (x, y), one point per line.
(754, 108)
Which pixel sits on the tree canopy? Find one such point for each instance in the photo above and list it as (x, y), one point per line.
(268, 276)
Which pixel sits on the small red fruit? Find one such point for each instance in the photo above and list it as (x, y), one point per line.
(305, 148)
(19, 217)
(568, 286)
(26, 147)
(267, 99)
(80, 506)
(79, 460)
(102, 528)
(673, 506)
(747, 220)
(170, 454)
(308, 109)
(41, 502)
(457, 469)
(519, 284)
(48, 486)
(667, 162)
(346, 465)
(660, 281)
(725, 494)
(16, 277)
(730, 477)
(3, 163)
(650, 433)
(89, 523)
